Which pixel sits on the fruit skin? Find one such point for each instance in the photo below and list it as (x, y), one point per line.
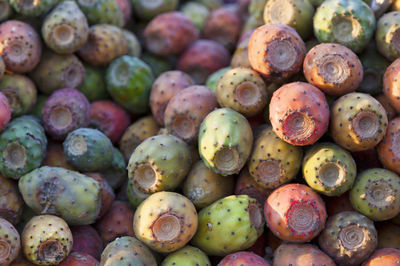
(225, 133)
(295, 201)
(202, 58)
(372, 182)
(388, 235)
(164, 88)
(22, 147)
(388, 151)
(349, 70)
(108, 195)
(240, 57)
(129, 82)
(165, 210)
(117, 222)
(105, 43)
(5, 111)
(332, 13)
(202, 186)
(213, 79)
(197, 12)
(228, 225)
(116, 174)
(387, 30)
(70, 20)
(187, 109)
(390, 111)
(11, 203)
(88, 150)
(135, 48)
(299, 100)
(33, 9)
(384, 256)
(187, 255)
(266, 41)
(146, 12)
(94, 84)
(21, 37)
(273, 162)
(79, 259)
(169, 33)
(10, 242)
(46, 240)
(102, 12)
(68, 194)
(159, 163)
(134, 195)
(64, 111)
(243, 258)
(125, 251)
(56, 72)
(86, 240)
(362, 118)
(390, 86)
(301, 254)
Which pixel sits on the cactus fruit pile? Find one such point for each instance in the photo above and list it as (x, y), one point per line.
(200, 132)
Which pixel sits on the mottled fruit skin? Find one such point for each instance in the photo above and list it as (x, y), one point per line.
(117, 222)
(243, 258)
(347, 22)
(169, 34)
(384, 256)
(145, 11)
(87, 240)
(276, 51)
(103, 12)
(164, 88)
(225, 141)
(301, 254)
(361, 117)
(376, 194)
(68, 194)
(64, 111)
(20, 46)
(107, 193)
(388, 235)
(46, 240)
(228, 225)
(32, 9)
(116, 174)
(387, 34)
(5, 111)
(299, 113)
(55, 156)
(390, 86)
(388, 149)
(322, 58)
(11, 203)
(187, 255)
(165, 221)
(10, 242)
(79, 259)
(202, 58)
(295, 213)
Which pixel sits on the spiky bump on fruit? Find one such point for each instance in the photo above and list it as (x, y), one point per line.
(10, 243)
(358, 121)
(56, 72)
(347, 22)
(164, 88)
(6, 10)
(299, 113)
(127, 250)
(165, 221)
(202, 186)
(390, 84)
(33, 8)
(116, 173)
(187, 256)
(159, 163)
(384, 256)
(301, 254)
(243, 258)
(65, 29)
(276, 51)
(273, 162)
(376, 194)
(197, 12)
(135, 48)
(20, 46)
(295, 213)
(389, 148)
(22, 147)
(11, 203)
(146, 10)
(388, 35)
(228, 225)
(388, 235)
(105, 43)
(5, 111)
(64, 111)
(86, 240)
(79, 259)
(102, 12)
(225, 141)
(108, 195)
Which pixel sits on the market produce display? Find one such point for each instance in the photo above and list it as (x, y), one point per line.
(200, 132)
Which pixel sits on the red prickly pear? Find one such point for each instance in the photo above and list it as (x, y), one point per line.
(243, 258)
(87, 240)
(79, 259)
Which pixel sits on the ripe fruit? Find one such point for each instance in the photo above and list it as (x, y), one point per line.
(384, 256)
(86, 240)
(107, 193)
(387, 34)
(243, 258)
(5, 111)
(301, 254)
(187, 255)
(388, 149)
(390, 86)
(79, 259)
(10, 243)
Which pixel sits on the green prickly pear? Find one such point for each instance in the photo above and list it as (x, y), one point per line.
(102, 12)
(116, 174)
(33, 8)
(197, 13)
(187, 255)
(388, 34)
(213, 79)
(94, 84)
(146, 10)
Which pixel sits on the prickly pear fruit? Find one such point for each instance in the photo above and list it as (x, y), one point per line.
(213, 79)
(125, 251)
(301, 254)
(79, 259)
(134, 195)
(347, 22)
(240, 57)
(6, 11)
(146, 10)
(376, 194)
(108, 195)
(64, 111)
(33, 8)
(55, 156)
(20, 46)
(362, 117)
(2, 66)
(46, 240)
(333, 68)
(102, 12)
(197, 12)
(5, 111)
(299, 113)
(388, 150)
(22, 147)
(11, 203)
(390, 111)
(295, 213)
(228, 225)
(273, 162)
(53, 190)
(388, 235)
(243, 258)
(165, 221)
(187, 255)
(135, 48)
(276, 51)
(187, 109)
(387, 35)
(390, 86)
(86, 240)
(10, 243)
(202, 186)
(116, 174)
(94, 84)
(384, 256)
(159, 163)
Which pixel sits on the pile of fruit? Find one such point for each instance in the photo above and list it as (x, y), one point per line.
(202, 132)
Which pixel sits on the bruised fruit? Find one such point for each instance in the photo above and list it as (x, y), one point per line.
(187, 255)
(301, 254)
(11, 203)
(87, 240)
(384, 256)
(10, 243)
(389, 149)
